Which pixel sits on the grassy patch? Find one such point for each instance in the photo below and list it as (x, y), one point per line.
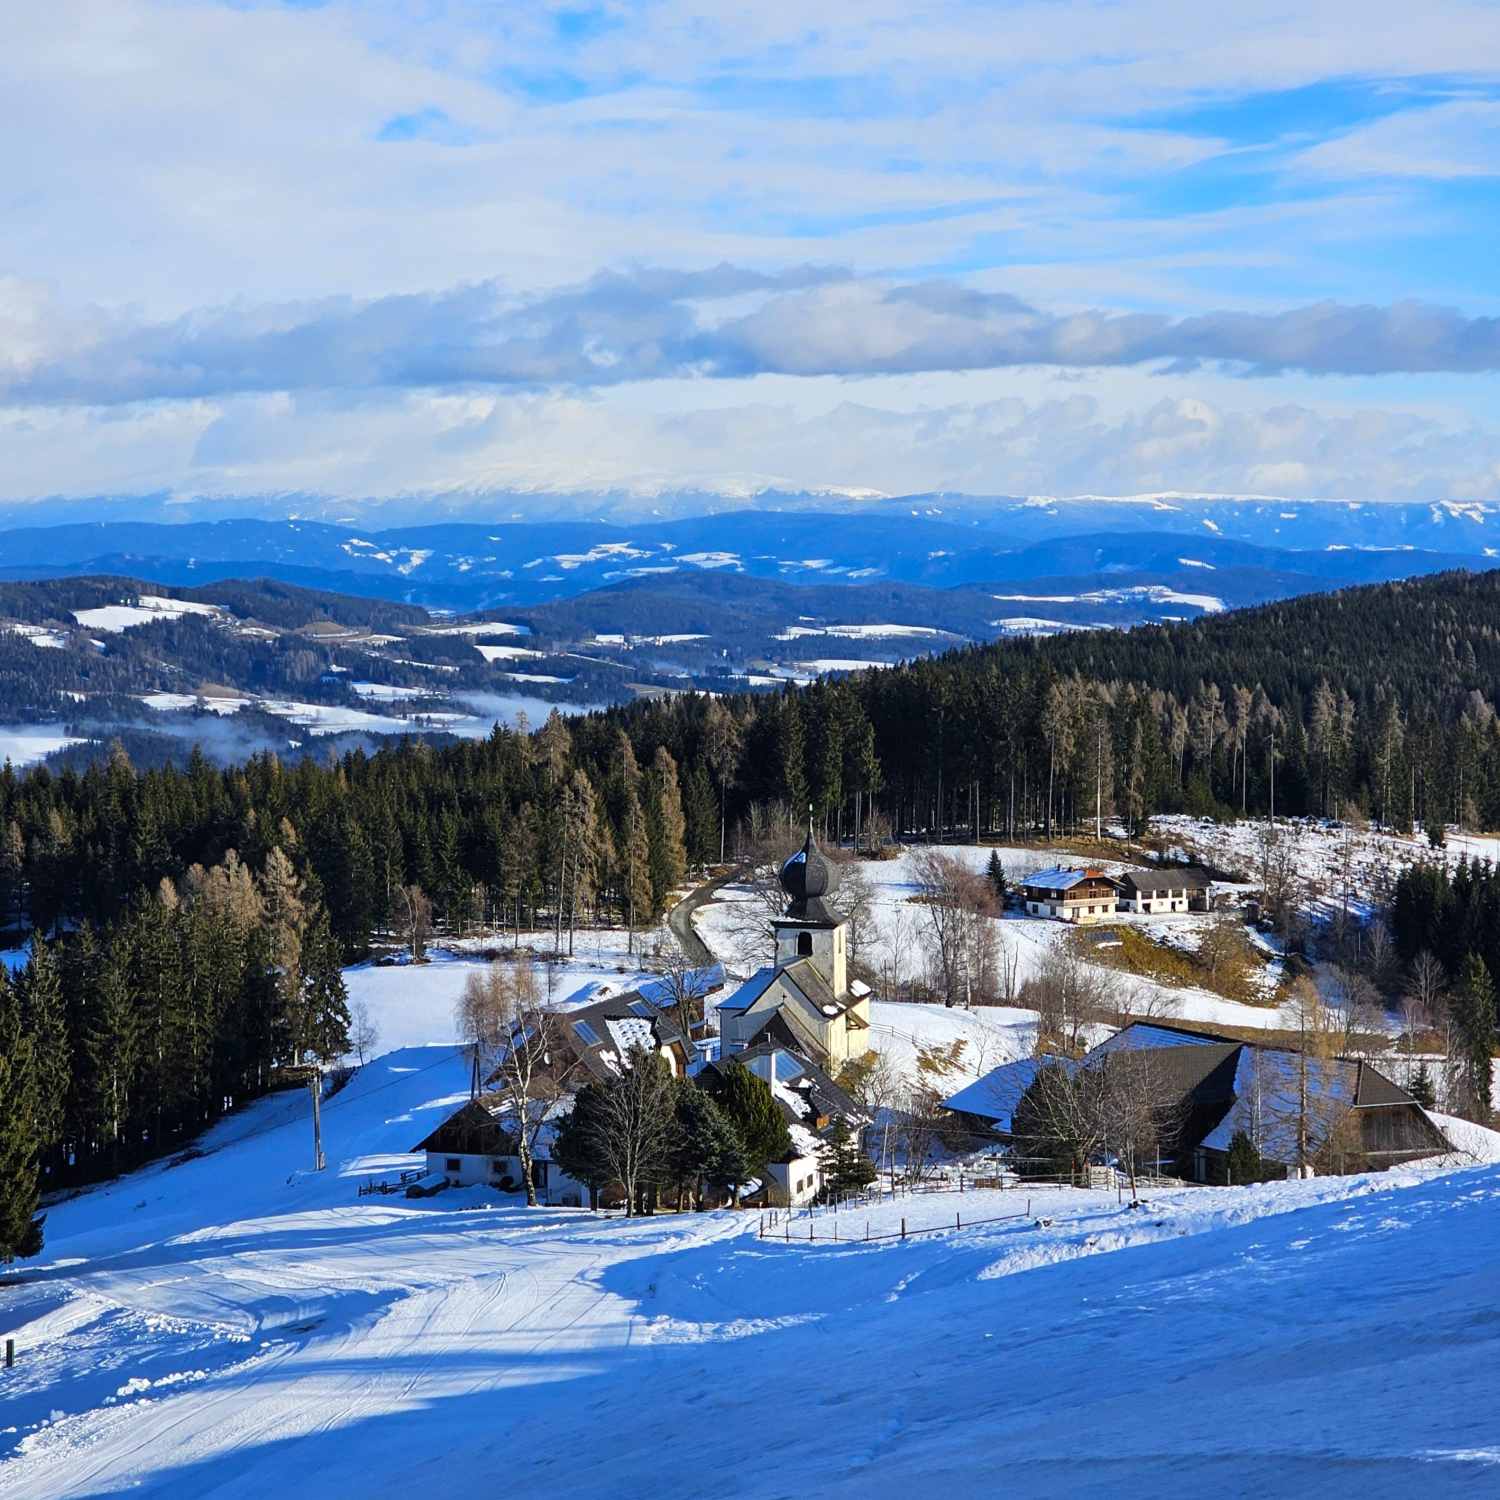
(1227, 967)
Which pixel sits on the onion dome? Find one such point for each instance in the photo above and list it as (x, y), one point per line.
(808, 874)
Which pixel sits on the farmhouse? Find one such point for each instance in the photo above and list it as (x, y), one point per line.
(475, 1146)
(1181, 889)
(806, 998)
(598, 1038)
(1209, 1088)
(1082, 895)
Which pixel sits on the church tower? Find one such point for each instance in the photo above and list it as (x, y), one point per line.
(810, 928)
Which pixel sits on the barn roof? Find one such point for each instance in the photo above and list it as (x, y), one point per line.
(1183, 877)
(801, 1088)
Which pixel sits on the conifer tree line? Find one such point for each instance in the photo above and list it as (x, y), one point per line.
(1446, 926)
(118, 1042)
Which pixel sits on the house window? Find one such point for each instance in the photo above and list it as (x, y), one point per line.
(804, 945)
(452, 1164)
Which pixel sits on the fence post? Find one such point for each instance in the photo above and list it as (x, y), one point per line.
(1028, 1208)
(903, 1229)
(787, 1226)
(809, 1227)
(958, 1221)
(10, 1353)
(867, 1229)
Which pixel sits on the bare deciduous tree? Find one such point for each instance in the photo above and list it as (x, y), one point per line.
(1069, 995)
(684, 987)
(634, 1124)
(501, 1015)
(957, 907)
(364, 1034)
(413, 920)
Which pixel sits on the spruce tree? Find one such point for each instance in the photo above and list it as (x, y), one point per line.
(1244, 1161)
(322, 1022)
(43, 1014)
(666, 828)
(111, 1051)
(995, 874)
(1473, 1004)
(1421, 1089)
(703, 1145)
(20, 1142)
(845, 1167)
(575, 1142)
(751, 1109)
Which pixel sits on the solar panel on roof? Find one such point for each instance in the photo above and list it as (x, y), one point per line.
(642, 1008)
(586, 1033)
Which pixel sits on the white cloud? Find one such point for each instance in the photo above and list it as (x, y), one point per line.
(1445, 142)
(416, 443)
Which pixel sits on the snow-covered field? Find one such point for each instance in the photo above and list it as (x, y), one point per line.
(239, 1326)
(148, 607)
(412, 1004)
(24, 744)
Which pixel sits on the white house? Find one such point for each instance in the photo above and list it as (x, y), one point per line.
(1165, 890)
(474, 1148)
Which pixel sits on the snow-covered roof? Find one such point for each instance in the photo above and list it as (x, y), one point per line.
(628, 1033)
(1059, 879)
(1267, 1087)
(750, 991)
(995, 1096)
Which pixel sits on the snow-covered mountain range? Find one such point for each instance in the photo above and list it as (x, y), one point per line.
(1252, 550)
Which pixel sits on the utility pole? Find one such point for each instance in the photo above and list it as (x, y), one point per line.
(315, 1088)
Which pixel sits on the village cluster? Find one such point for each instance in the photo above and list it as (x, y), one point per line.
(1152, 1099)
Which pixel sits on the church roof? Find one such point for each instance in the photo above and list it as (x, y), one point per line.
(750, 991)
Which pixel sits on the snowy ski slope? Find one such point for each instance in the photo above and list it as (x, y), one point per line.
(237, 1326)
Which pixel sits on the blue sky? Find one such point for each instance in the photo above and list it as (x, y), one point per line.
(441, 246)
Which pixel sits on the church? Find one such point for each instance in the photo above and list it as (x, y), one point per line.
(805, 1000)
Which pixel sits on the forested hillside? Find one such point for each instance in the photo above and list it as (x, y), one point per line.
(165, 886)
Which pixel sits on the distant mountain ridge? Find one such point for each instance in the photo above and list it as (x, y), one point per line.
(1251, 551)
